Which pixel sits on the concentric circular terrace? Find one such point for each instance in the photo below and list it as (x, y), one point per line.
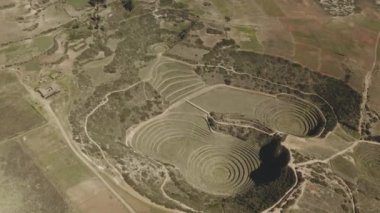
(367, 157)
(283, 113)
(212, 162)
(222, 169)
(290, 115)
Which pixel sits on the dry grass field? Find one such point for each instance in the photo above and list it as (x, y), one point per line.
(24, 187)
(77, 184)
(25, 50)
(18, 115)
(24, 20)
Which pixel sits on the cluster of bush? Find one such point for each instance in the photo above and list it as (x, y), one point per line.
(127, 4)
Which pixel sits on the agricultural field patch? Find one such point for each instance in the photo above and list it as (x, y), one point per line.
(187, 53)
(248, 38)
(91, 195)
(26, 50)
(84, 191)
(55, 158)
(21, 114)
(308, 55)
(18, 113)
(270, 7)
(321, 148)
(24, 187)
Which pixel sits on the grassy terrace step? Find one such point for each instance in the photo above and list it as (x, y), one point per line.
(185, 91)
(159, 78)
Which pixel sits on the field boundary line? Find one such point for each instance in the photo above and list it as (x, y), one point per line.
(21, 134)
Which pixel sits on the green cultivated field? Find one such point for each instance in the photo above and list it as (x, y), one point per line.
(250, 33)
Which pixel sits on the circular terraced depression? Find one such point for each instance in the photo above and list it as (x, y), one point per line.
(212, 162)
(290, 115)
(282, 113)
(367, 157)
(222, 169)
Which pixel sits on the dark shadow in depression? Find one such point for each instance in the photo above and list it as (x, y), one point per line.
(274, 160)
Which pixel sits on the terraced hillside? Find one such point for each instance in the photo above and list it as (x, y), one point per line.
(175, 80)
(367, 158)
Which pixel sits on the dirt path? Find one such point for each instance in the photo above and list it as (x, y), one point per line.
(171, 107)
(349, 193)
(121, 182)
(167, 178)
(325, 161)
(342, 152)
(367, 84)
(344, 186)
(53, 118)
(290, 191)
(227, 123)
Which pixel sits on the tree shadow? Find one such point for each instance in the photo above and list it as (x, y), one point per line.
(274, 160)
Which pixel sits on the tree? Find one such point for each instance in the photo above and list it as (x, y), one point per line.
(182, 35)
(127, 4)
(95, 2)
(227, 81)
